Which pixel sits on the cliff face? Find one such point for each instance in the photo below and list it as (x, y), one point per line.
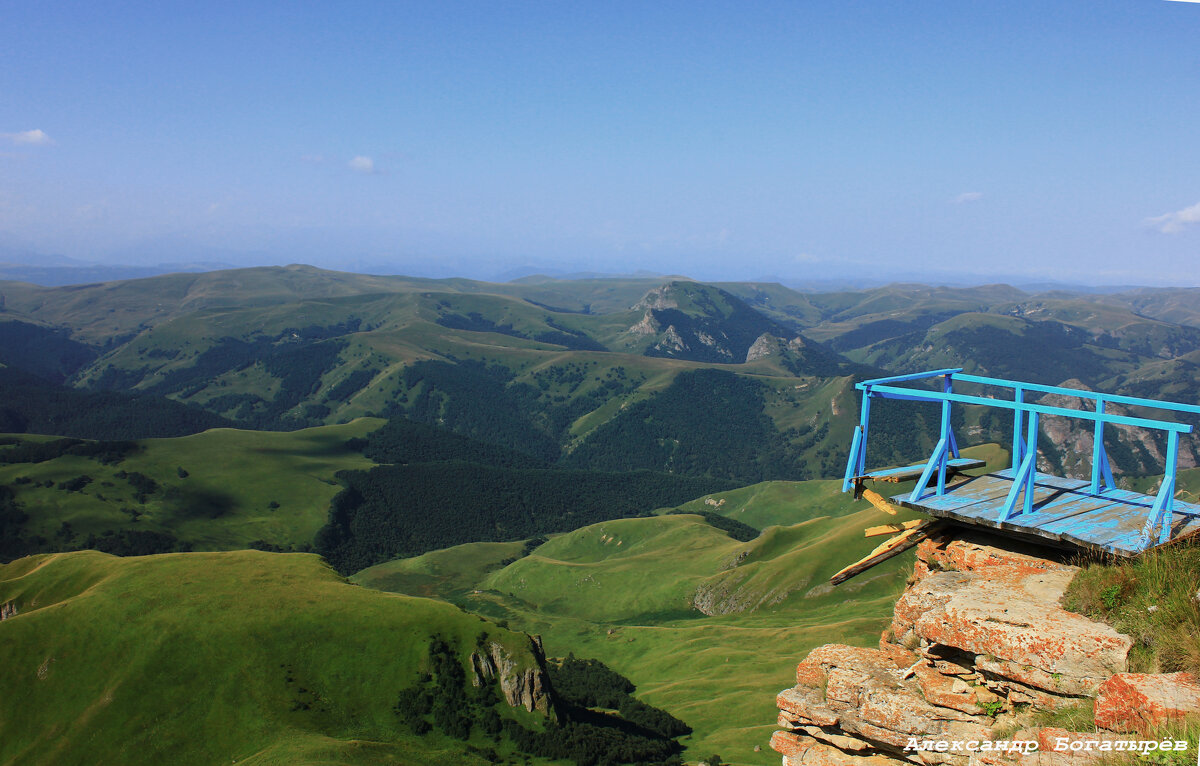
(978, 641)
(525, 687)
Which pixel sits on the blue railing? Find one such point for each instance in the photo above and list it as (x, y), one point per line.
(1025, 432)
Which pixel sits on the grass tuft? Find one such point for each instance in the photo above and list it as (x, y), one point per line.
(1186, 729)
(1078, 717)
(1153, 598)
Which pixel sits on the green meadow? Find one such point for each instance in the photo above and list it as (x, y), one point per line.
(219, 490)
(625, 591)
(238, 657)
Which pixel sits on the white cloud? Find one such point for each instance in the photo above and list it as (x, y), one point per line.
(36, 137)
(968, 197)
(362, 164)
(1173, 223)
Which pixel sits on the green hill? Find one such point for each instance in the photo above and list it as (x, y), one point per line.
(630, 592)
(218, 490)
(623, 591)
(398, 510)
(447, 573)
(240, 657)
(548, 376)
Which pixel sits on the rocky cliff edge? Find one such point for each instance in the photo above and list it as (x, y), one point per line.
(979, 644)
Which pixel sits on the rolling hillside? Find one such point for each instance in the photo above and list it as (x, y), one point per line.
(241, 348)
(568, 367)
(219, 490)
(705, 625)
(127, 657)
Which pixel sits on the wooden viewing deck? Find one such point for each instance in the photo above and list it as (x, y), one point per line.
(1090, 514)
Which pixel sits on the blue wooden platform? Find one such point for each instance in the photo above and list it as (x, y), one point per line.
(1064, 511)
(1093, 514)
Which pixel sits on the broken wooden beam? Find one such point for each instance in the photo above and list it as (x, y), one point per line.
(890, 529)
(877, 500)
(892, 547)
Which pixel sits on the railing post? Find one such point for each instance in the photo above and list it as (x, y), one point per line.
(856, 463)
(1169, 481)
(946, 436)
(1031, 448)
(864, 422)
(1099, 457)
(1018, 453)
(852, 459)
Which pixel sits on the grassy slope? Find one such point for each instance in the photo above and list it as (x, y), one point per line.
(396, 328)
(1152, 598)
(210, 658)
(403, 329)
(233, 476)
(621, 591)
(718, 673)
(448, 573)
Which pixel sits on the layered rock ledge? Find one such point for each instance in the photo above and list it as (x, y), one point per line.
(977, 638)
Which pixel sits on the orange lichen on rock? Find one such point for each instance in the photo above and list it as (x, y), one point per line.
(1137, 701)
(977, 634)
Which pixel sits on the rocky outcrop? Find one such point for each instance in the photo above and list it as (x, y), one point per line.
(733, 591)
(525, 687)
(763, 346)
(659, 298)
(978, 636)
(1007, 613)
(671, 341)
(772, 345)
(8, 610)
(646, 326)
(1134, 701)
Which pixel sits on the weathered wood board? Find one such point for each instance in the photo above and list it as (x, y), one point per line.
(1064, 511)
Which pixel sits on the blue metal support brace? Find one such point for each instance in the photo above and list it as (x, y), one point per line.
(1031, 447)
(1107, 469)
(936, 459)
(1160, 512)
(1024, 477)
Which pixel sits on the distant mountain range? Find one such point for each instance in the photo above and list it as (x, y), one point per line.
(569, 365)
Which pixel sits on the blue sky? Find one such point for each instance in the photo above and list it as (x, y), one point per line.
(931, 140)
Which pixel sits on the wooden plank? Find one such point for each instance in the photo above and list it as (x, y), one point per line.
(892, 547)
(1065, 512)
(890, 529)
(909, 472)
(876, 499)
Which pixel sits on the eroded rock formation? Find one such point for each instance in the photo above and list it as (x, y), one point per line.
(978, 637)
(525, 687)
